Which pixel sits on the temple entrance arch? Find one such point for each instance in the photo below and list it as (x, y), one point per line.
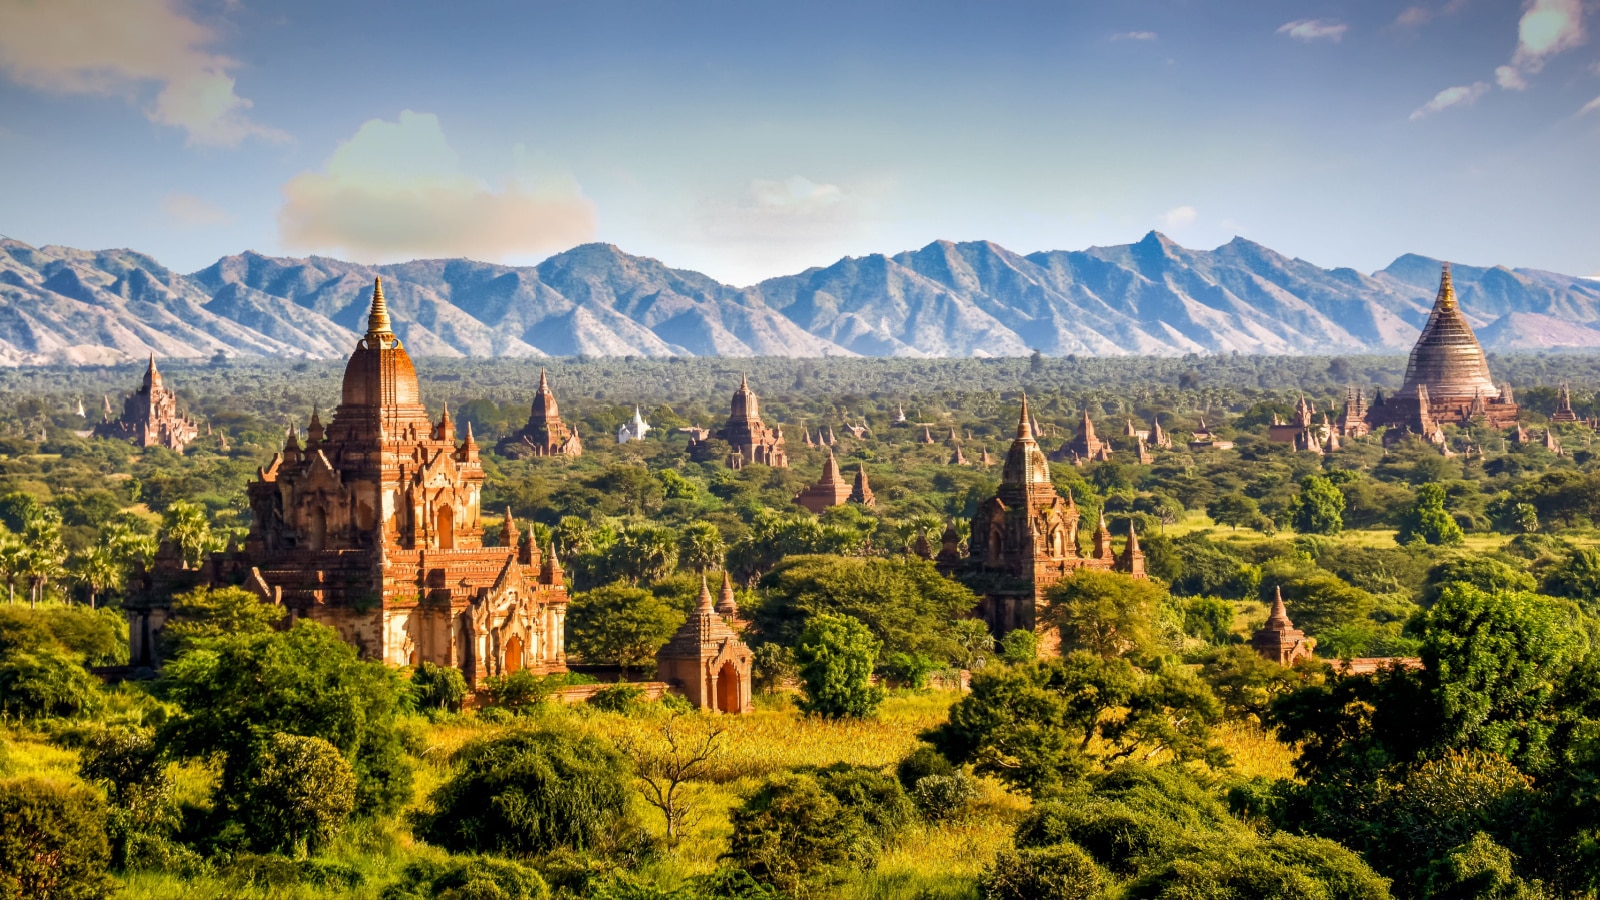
(319, 528)
(729, 693)
(513, 654)
(445, 527)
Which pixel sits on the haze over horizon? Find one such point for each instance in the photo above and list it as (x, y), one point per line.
(748, 142)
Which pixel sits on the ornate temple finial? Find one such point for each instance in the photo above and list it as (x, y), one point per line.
(727, 604)
(1280, 613)
(508, 531)
(744, 381)
(1447, 290)
(705, 607)
(544, 385)
(314, 431)
(1024, 421)
(378, 319)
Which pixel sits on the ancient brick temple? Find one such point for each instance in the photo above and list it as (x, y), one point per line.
(830, 490)
(374, 527)
(150, 416)
(545, 434)
(1081, 447)
(706, 659)
(1447, 379)
(749, 439)
(1278, 640)
(1025, 539)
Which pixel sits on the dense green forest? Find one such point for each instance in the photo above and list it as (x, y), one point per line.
(1157, 756)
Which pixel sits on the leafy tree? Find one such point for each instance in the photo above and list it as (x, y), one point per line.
(530, 793)
(52, 842)
(207, 613)
(186, 526)
(1208, 618)
(1233, 509)
(1577, 577)
(468, 878)
(1246, 683)
(1494, 662)
(972, 641)
(1020, 646)
(643, 553)
(438, 687)
(95, 570)
(1106, 613)
(620, 625)
(46, 683)
(1483, 572)
(909, 670)
(297, 795)
(99, 636)
(1428, 521)
(1283, 865)
(836, 655)
(1319, 507)
(906, 603)
(236, 690)
(665, 768)
(1318, 600)
(1481, 869)
(141, 817)
(1039, 725)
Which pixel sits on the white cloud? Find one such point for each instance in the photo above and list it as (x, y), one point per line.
(1591, 106)
(1413, 16)
(396, 190)
(795, 195)
(1315, 30)
(191, 211)
(123, 48)
(1134, 36)
(1547, 27)
(1510, 79)
(1179, 217)
(1466, 94)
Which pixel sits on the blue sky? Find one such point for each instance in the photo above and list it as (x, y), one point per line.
(748, 139)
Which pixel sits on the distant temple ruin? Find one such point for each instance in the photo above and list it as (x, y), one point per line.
(749, 439)
(150, 416)
(545, 434)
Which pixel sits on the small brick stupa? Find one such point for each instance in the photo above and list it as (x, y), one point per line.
(830, 490)
(1279, 640)
(707, 660)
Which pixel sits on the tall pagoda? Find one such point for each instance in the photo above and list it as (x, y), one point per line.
(545, 434)
(749, 439)
(150, 416)
(1447, 378)
(373, 527)
(1025, 539)
(830, 490)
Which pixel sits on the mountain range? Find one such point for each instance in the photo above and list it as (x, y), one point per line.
(62, 305)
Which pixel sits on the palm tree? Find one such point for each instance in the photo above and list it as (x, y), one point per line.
(185, 525)
(95, 569)
(701, 547)
(646, 553)
(43, 553)
(12, 553)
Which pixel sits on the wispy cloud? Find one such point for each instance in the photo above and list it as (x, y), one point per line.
(1466, 94)
(1135, 36)
(1591, 106)
(1315, 30)
(191, 211)
(1417, 16)
(122, 48)
(1547, 27)
(396, 189)
(1180, 216)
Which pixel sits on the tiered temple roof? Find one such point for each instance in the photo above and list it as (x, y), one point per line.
(706, 659)
(830, 490)
(749, 439)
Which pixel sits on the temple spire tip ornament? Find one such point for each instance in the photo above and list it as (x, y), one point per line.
(378, 319)
(1024, 421)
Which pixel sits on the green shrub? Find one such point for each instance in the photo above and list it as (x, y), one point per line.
(437, 687)
(141, 817)
(473, 878)
(1019, 647)
(907, 670)
(46, 683)
(52, 842)
(791, 831)
(1059, 872)
(919, 764)
(877, 798)
(531, 793)
(618, 698)
(522, 691)
(945, 796)
(298, 794)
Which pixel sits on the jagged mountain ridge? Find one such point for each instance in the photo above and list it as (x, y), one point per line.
(62, 305)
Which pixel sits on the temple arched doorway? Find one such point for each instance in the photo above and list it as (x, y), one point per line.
(465, 658)
(513, 654)
(445, 527)
(319, 528)
(729, 689)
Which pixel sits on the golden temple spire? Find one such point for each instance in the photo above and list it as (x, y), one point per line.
(378, 320)
(1447, 291)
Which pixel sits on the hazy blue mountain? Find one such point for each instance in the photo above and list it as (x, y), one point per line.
(58, 305)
